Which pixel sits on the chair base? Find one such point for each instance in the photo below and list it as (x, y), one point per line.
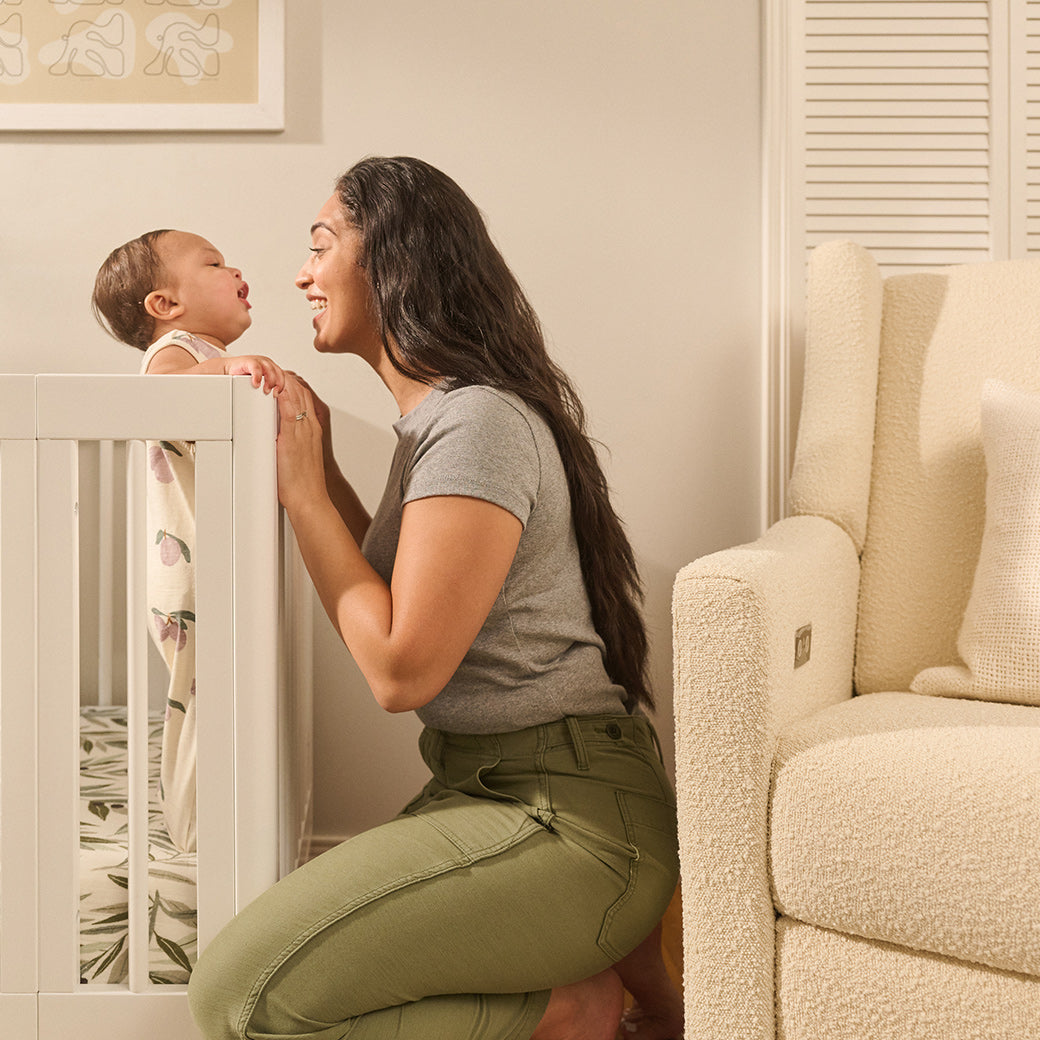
(832, 986)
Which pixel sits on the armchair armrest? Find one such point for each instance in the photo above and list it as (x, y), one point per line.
(738, 615)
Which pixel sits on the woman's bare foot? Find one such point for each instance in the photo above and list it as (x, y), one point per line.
(659, 1024)
(657, 1013)
(586, 1010)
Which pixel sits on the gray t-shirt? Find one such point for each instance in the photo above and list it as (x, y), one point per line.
(538, 656)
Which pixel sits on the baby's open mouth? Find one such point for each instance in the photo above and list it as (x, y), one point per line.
(243, 294)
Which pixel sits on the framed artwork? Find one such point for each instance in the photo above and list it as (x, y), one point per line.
(142, 64)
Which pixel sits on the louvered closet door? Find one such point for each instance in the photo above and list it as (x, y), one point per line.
(902, 129)
(1024, 56)
(909, 126)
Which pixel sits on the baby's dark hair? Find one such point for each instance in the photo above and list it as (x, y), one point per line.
(129, 274)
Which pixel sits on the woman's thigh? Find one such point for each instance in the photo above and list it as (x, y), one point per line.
(486, 884)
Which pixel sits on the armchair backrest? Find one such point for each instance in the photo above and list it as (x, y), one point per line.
(890, 446)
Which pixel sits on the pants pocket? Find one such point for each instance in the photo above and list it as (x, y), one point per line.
(477, 828)
(653, 873)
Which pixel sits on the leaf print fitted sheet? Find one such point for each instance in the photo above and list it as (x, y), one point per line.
(172, 900)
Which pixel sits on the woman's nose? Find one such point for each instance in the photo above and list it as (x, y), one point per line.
(303, 279)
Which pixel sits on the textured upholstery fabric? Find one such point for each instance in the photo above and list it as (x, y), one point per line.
(942, 335)
(999, 640)
(736, 614)
(913, 820)
(831, 472)
(904, 831)
(836, 987)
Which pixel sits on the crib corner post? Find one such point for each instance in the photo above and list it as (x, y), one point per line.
(18, 699)
(255, 522)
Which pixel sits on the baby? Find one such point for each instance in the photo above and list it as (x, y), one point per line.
(170, 294)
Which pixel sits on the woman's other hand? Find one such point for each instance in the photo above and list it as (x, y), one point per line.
(320, 410)
(301, 434)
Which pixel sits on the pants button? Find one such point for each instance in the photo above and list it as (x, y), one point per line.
(613, 731)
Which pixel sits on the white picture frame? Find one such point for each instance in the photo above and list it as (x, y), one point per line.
(263, 111)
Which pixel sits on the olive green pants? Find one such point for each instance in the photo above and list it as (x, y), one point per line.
(530, 860)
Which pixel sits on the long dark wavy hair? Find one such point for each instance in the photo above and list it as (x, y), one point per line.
(445, 297)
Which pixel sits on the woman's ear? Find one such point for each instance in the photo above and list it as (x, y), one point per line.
(161, 306)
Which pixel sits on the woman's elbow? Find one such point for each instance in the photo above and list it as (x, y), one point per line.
(398, 695)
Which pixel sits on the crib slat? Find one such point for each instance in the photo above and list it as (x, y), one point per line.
(106, 577)
(137, 724)
(17, 716)
(296, 674)
(58, 682)
(214, 683)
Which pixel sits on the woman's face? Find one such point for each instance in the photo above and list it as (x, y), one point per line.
(338, 288)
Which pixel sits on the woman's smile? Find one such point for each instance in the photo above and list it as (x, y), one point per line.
(333, 275)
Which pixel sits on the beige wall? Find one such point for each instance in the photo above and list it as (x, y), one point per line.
(614, 146)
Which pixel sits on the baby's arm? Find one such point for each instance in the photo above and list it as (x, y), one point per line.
(173, 360)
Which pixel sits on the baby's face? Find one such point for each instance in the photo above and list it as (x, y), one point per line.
(212, 294)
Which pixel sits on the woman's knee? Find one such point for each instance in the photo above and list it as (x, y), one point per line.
(215, 1001)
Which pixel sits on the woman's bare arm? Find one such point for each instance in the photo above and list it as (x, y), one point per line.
(453, 556)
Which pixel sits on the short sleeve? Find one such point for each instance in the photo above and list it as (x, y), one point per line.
(480, 445)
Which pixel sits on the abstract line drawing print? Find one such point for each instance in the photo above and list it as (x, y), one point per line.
(68, 6)
(103, 48)
(14, 51)
(186, 49)
(188, 3)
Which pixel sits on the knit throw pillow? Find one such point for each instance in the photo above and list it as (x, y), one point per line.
(999, 640)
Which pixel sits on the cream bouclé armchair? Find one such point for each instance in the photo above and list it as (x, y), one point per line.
(858, 691)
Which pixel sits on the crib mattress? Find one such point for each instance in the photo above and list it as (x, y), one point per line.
(103, 917)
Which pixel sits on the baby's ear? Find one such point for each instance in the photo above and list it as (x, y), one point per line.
(161, 305)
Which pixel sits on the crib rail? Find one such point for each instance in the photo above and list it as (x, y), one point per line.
(244, 554)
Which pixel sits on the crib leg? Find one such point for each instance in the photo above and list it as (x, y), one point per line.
(18, 1014)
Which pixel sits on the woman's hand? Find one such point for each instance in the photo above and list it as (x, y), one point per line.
(324, 416)
(343, 497)
(301, 470)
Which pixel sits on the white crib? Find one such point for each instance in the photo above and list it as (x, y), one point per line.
(253, 604)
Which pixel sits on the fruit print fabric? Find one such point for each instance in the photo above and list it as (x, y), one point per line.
(171, 602)
(170, 482)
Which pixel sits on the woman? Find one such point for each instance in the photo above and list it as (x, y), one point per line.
(497, 597)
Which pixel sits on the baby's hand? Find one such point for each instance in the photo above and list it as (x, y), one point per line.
(262, 369)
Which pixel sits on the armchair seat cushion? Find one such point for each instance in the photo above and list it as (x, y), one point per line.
(913, 820)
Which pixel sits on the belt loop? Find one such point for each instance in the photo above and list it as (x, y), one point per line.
(578, 741)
